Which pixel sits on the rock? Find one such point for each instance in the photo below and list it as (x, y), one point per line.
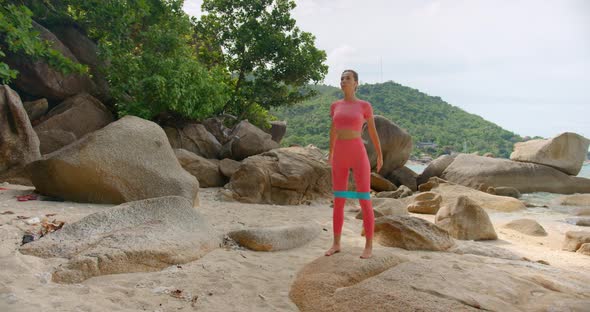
(216, 127)
(435, 168)
(411, 233)
(278, 130)
(206, 172)
(127, 160)
(19, 145)
(479, 248)
(229, 166)
(141, 236)
(36, 109)
(396, 145)
(581, 211)
(466, 220)
(39, 79)
(427, 203)
(584, 249)
(247, 140)
(580, 200)
(473, 171)
(565, 152)
(380, 184)
(284, 176)
(578, 221)
(575, 239)
(386, 207)
(53, 140)
(450, 192)
(276, 238)
(418, 281)
(506, 191)
(80, 115)
(488, 155)
(526, 226)
(401, 192)
(404, 176)
(194, 138)
(432, 183)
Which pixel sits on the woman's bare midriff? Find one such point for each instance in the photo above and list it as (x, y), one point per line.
(347, 134)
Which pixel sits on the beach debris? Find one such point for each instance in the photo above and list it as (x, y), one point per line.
(26, 197)
(6, 212)
(50, 226)
(33, 221)
(177, 294)
(27, 238)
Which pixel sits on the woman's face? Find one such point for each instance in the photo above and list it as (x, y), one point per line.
(347, 82)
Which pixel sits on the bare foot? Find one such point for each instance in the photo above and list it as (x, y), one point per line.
(333, 250)
(367, 253)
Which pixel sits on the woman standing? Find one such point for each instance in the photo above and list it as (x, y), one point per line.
(347, 151)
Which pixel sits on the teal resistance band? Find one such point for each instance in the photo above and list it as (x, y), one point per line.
(353, 195)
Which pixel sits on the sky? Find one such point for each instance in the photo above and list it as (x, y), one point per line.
(522, 64)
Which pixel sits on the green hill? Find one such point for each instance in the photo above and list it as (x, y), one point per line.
(427, 119)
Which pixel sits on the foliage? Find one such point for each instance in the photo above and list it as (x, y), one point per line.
(18, 35)
(271, 61)
(426, 118)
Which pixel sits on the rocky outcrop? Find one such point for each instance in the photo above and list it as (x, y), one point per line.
(127, 160)
(141, 236)
(284, 176)
(565, 152)
(396, 145)
(475, 171)
(466, 220)
(276, 238)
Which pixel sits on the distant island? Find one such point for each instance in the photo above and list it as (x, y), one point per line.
(436, 126)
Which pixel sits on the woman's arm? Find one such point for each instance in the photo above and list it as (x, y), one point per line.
(376, 143)
(332, 140)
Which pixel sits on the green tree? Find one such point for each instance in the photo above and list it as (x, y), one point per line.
(271, 61)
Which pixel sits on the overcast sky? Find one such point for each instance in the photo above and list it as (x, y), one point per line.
(524, 65)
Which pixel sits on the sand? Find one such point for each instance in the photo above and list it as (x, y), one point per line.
(227, 279)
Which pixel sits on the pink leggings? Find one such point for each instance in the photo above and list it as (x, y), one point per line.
(351, 154)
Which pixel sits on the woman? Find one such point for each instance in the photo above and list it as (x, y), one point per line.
(347, 151)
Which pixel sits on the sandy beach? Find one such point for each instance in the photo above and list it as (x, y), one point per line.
(227, 279)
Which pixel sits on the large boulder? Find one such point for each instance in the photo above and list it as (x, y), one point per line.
(39, 79)
(380, 184)
(276, 238)
(475, 171)
(404, 176)
(194, 138)
(19, 144)
(52, 140)
(435, 168)
(80, 114)
(411, 233)
(284, 176)
(141, 236)
(127, 160)
(247, 140)
(206, 171)
(466, 220)
(396, 145)
(565, 152)
(395, 280)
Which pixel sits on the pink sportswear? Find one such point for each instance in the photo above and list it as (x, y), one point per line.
(351, 154)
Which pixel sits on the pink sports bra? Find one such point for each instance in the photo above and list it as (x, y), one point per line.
(350, 115)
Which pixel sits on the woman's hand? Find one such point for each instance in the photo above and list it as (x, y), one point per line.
(379, 162)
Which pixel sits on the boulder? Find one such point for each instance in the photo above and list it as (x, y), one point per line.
(411, 233)
(284, 176)
(417, 281)
(276, 238)
(216, 127)
(474, 171)
(401, 192)
(506, 191)
(277, 130)
(575, 239)
(396, 145)
(427, 203)
(36, 109)
(39, 79)
(194, 138)
(380, 184)
(435, 168)
(466, 220)
(450, 192)
(584, 249)
(127, 160)
(580, 200)
(247, 140)
(206, 171)
(52, 140)
(19, 144)
(229, 166)
(526, 226)
(565, 152)
(404, 176)
(141, 236)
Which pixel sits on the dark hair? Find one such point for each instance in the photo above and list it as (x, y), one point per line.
(354, 74)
